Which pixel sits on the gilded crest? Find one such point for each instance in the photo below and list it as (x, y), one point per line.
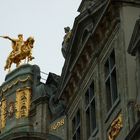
(115, 128)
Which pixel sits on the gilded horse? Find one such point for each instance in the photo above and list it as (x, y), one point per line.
(24, 53)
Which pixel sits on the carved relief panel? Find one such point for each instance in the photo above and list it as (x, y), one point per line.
(23, 101)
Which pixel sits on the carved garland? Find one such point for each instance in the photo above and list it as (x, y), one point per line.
(8, 86)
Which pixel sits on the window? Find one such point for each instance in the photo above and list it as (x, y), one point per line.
(90, 110)
(110, 80)
(76, 126)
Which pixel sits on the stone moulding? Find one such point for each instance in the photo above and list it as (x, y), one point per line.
(13, 83)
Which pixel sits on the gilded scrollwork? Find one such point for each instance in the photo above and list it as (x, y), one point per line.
(115, 127)
(3, 113)
(23, 101)
(57, 124)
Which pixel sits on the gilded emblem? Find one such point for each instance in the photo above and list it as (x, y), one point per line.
(115, 127)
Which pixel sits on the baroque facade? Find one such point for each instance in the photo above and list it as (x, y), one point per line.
(100, 77)
(97, 95)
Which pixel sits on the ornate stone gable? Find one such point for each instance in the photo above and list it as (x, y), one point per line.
(83, 26)
(94, 37)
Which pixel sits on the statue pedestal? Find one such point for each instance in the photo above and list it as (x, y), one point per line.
(25, 112)
(17, 93)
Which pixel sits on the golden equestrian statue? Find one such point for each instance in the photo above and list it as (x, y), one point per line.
(20, 50)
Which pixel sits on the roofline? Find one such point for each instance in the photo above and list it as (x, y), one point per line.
(81, 4)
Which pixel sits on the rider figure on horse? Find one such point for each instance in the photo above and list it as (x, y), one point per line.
(16, 45)
(20, 50)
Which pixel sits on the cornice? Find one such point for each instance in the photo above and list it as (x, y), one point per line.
(127, 1)
(28, 135)
(81, 5)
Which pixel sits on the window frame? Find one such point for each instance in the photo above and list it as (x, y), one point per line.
(76, 128)
(110, 81)
(92, 112)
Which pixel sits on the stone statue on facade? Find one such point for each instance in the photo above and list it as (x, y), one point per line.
(67, 35)
(66, 40)
(20, 50)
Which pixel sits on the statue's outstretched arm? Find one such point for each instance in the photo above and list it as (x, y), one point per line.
(7, 37)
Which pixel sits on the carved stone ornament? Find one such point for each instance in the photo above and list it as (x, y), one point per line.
(3, 113)
(57, 124)
(115, 128)
(23, 101)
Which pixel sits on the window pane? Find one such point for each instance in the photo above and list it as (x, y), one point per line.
(112, 59)
(93, 116)
(78, 134)
(110, 80)
(114, 85)
(78, 118)
(91, 91)
(87, 98)
(106, 69)
(88, 122)
(108, 94)
(73, 125)
(74, 137)
(76, 126)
